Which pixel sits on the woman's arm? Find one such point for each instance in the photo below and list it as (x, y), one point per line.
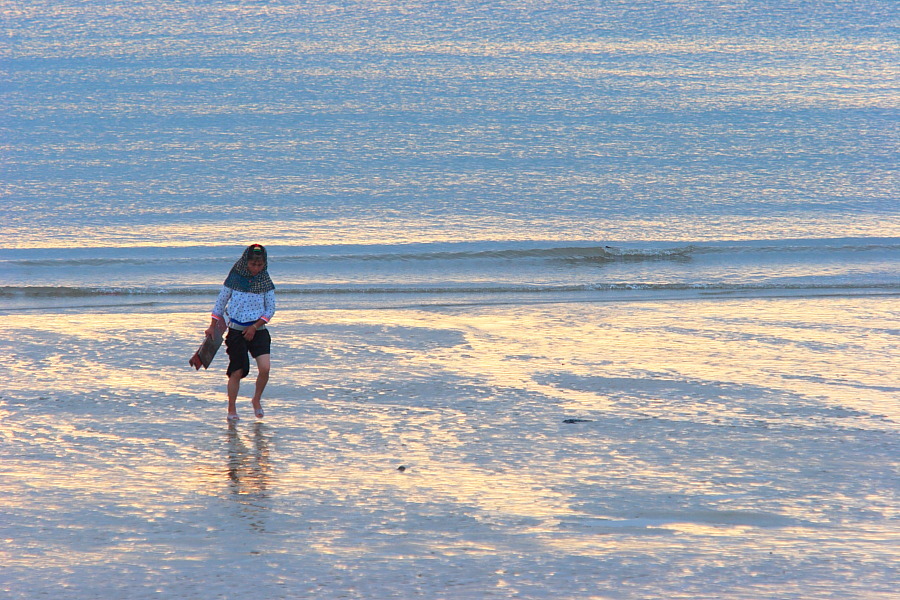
(218, 311)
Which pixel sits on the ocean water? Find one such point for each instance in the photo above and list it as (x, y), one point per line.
(596, 300)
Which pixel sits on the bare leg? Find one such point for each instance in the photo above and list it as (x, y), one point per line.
(234, 385)
(263, 364)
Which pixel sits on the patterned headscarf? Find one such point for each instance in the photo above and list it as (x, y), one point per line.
(240, 279)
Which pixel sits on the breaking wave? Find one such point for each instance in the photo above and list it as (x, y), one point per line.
(478, 251)
(86, 292)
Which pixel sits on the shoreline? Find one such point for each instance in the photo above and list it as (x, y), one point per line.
(348, 300)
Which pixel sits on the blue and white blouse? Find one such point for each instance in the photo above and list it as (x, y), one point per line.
(244, 308)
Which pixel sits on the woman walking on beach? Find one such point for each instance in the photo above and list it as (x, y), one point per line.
(248, 299)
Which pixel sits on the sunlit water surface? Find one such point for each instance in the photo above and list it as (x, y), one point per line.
(740, 448)
(149, 124)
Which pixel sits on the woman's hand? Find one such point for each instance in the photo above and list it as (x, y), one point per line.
(214, 327)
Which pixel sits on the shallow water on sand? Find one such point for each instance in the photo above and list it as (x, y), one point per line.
(714, 447)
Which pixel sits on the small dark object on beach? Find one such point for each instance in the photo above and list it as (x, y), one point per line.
(576, 420)
(401, 468)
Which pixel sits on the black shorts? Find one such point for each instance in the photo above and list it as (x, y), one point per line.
(238, 348)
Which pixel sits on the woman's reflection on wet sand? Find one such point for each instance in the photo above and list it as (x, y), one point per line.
(249, 471)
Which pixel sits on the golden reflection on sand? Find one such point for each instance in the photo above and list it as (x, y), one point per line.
(351, 457)
(804, 345)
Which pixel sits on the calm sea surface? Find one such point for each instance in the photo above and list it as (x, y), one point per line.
(298, 123)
